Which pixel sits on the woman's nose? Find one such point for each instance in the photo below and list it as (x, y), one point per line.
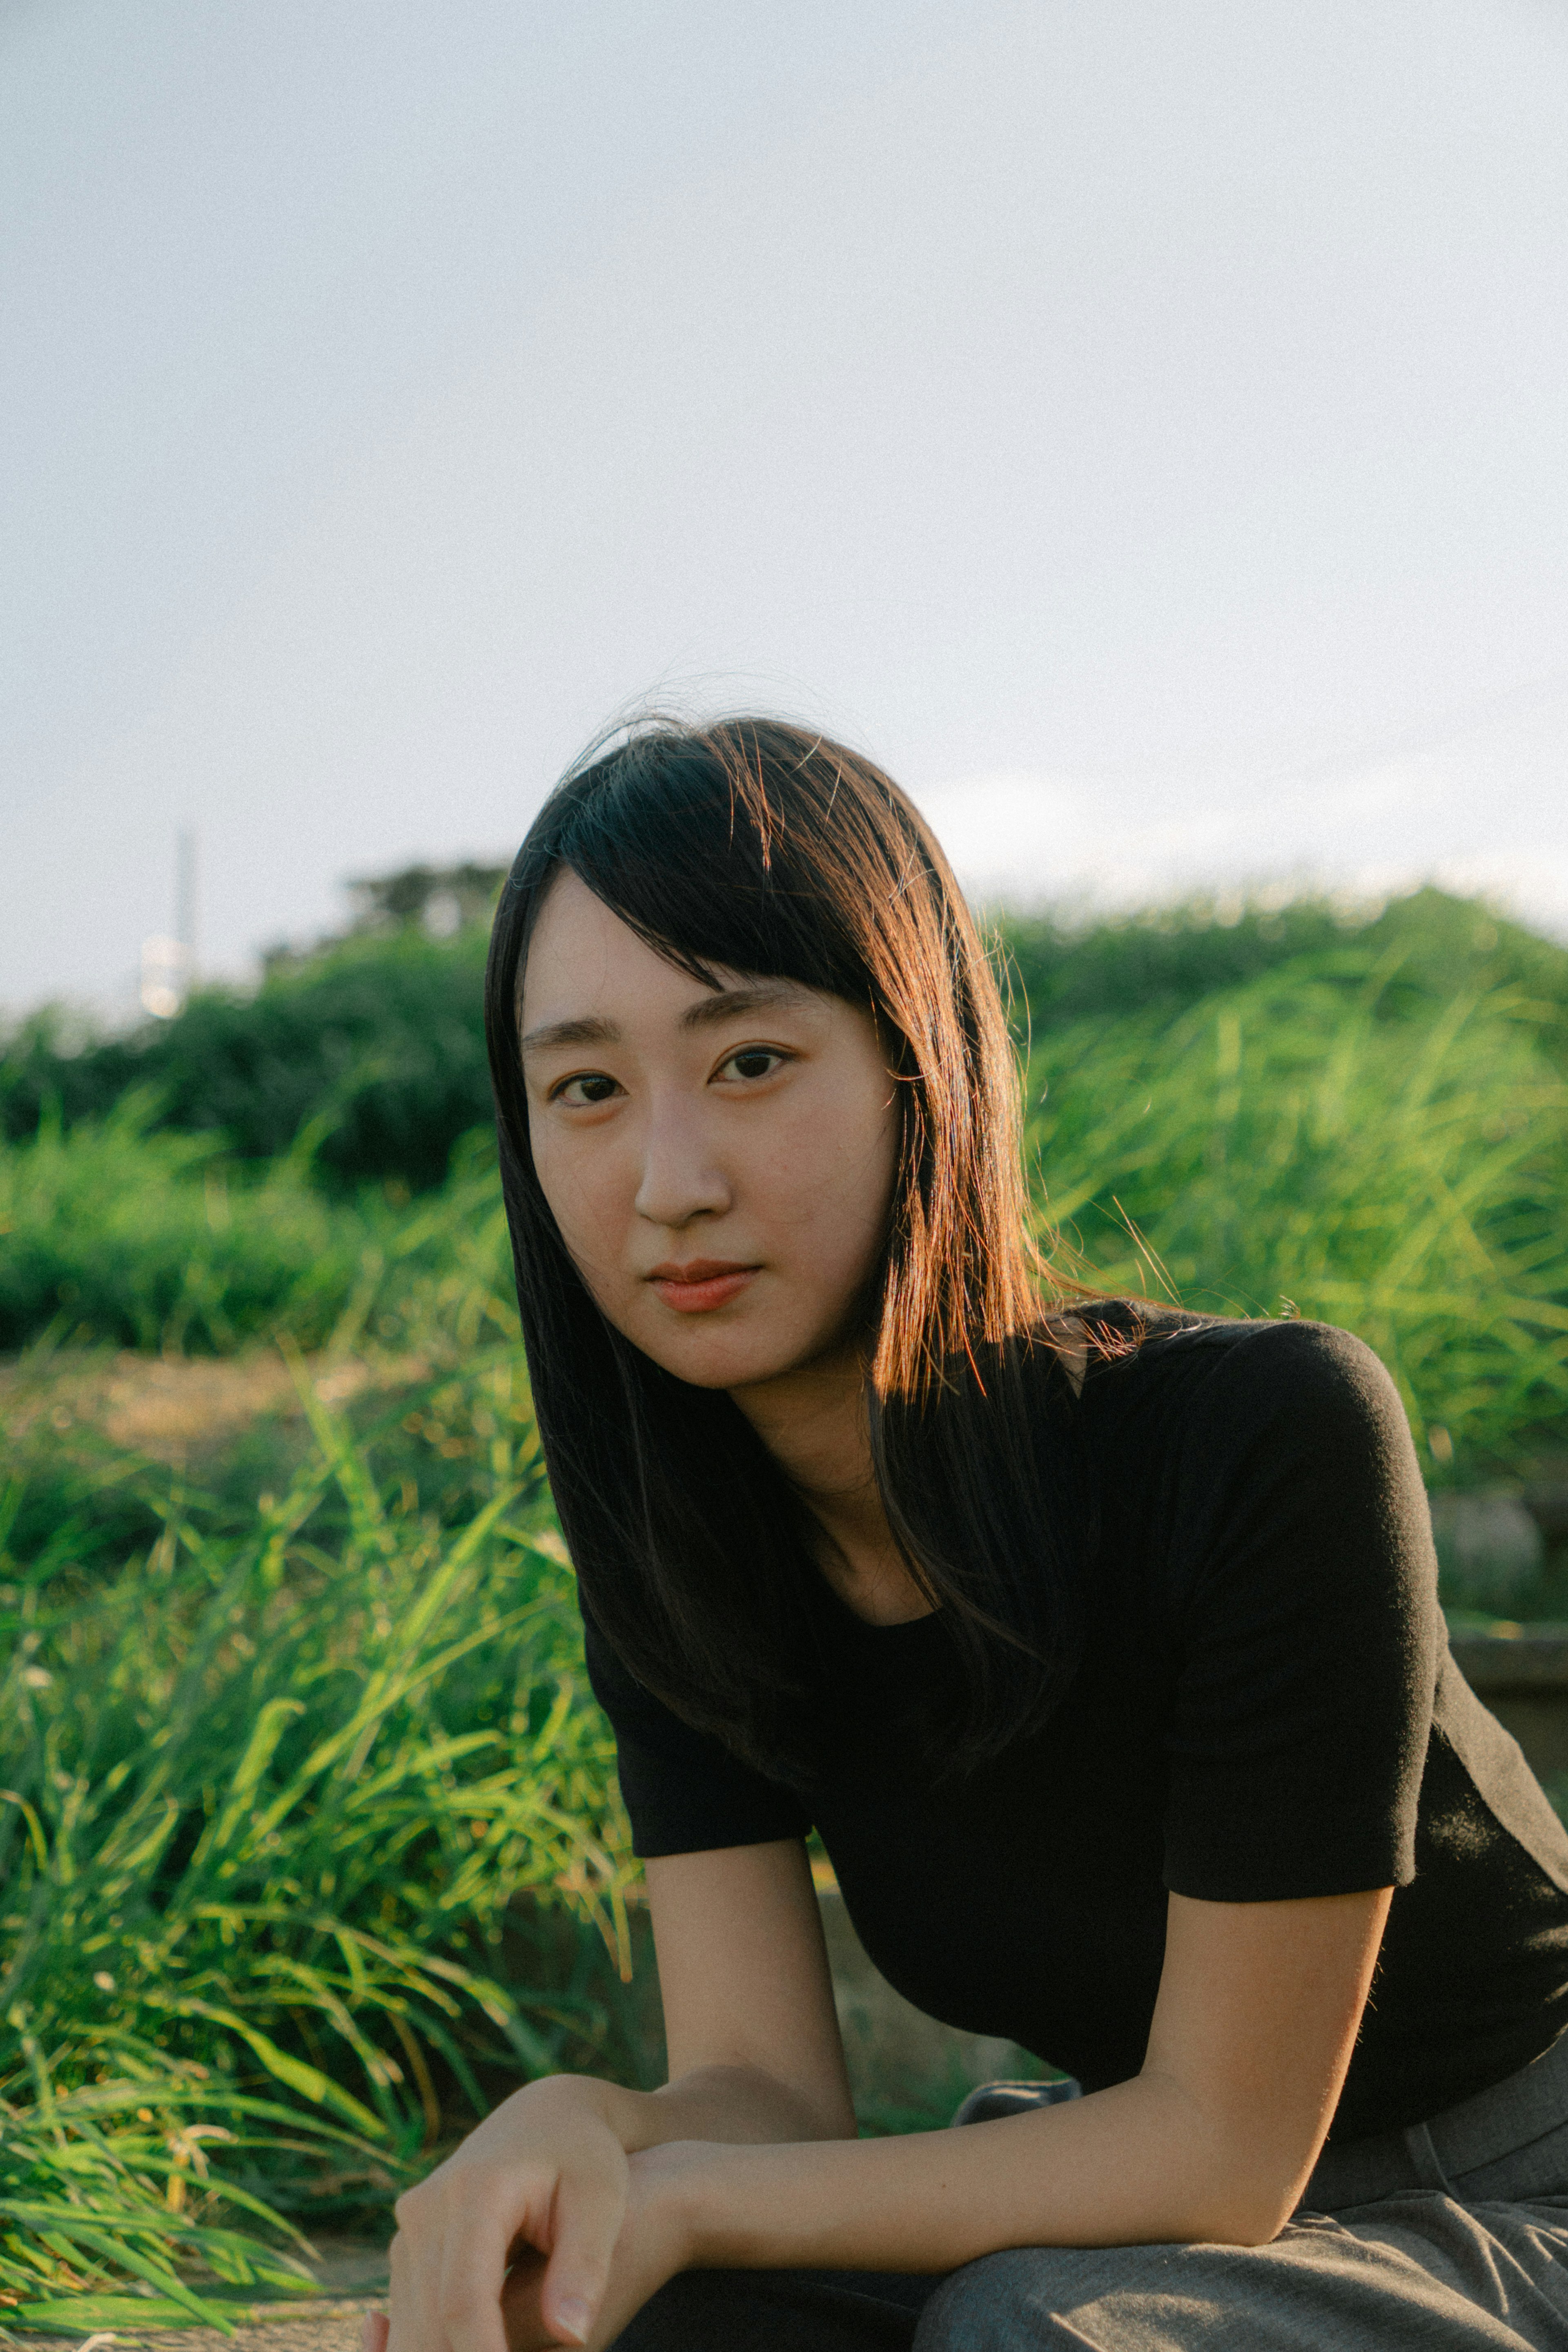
(679, 1177)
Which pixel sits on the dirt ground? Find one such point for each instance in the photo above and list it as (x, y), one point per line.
(353, 2272)
(171, 1407)
(320, 2328)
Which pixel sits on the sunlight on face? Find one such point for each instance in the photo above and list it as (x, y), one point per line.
(720, 1162)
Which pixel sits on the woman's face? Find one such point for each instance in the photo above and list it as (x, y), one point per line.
(719, 1162)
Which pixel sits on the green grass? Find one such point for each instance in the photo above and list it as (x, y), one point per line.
(1288, 1147)
(115, 1231)
(313, 1848)
(309, 1844)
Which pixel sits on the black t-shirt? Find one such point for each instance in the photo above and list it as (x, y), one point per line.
(1266, 1708)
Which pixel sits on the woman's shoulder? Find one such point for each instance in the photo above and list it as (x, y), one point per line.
(1133, 1339)
(1256, 1459)
(1158, 1370)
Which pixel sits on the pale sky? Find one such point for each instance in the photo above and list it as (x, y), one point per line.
(1142, 424)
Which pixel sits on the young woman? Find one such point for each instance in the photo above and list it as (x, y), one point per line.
(1100, 1645)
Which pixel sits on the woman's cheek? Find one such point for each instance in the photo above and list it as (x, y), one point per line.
(593, 1252)
(843, 1208)
(572, 1197)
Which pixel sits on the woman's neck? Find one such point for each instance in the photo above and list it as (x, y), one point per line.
(813, 1423)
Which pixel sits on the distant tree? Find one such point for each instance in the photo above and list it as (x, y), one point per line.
(441, 898)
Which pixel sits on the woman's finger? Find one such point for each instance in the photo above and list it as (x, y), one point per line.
(374, 2329)
(589, 2212)
(447, 2279)
(416, 2316)
(473, 2270)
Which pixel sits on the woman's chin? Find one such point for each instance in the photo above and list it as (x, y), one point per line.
(722, 1360)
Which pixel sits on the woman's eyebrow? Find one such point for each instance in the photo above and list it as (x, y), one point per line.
(587, 1029)
(731, 1003)
(722, 1005)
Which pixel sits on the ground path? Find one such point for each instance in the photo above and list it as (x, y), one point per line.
(300, 2327)
(353, 2272)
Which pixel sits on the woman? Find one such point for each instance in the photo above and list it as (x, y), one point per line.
(1100, 1646)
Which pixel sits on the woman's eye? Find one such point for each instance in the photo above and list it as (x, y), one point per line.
(588, 1088)
(756, 1062)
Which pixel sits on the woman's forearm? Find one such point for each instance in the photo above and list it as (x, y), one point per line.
(734, 2105)
(1138, 2164)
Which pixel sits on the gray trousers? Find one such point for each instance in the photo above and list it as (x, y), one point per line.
(1450, 2237)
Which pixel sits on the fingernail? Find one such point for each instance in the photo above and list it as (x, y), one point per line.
(574, 2316)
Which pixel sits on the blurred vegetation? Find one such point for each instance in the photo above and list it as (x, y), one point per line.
(309, 1845)
(307, 1828)
(117, 1231)
(1343, 1138)
(1165, 959)
(370, 1051)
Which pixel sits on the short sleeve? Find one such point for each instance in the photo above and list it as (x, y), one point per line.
(685, 1791)
(1306, 1627)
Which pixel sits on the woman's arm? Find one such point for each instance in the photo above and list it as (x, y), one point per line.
(749, 2022)
(1214, 2139)
(754, 2053)
(1256, 2014)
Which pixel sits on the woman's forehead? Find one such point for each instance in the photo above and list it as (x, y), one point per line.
(583, 956)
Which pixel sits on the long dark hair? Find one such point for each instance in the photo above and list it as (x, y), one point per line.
(750, 845)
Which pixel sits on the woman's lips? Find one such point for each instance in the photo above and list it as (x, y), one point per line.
(698, 1288)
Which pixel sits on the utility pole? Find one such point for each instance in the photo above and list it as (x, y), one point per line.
(186, 879)
(169, 963)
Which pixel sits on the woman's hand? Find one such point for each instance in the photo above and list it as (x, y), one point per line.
(545, 2177)
(558, 2217)
(652, 2247)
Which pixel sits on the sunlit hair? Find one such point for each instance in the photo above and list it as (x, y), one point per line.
(752, 846)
